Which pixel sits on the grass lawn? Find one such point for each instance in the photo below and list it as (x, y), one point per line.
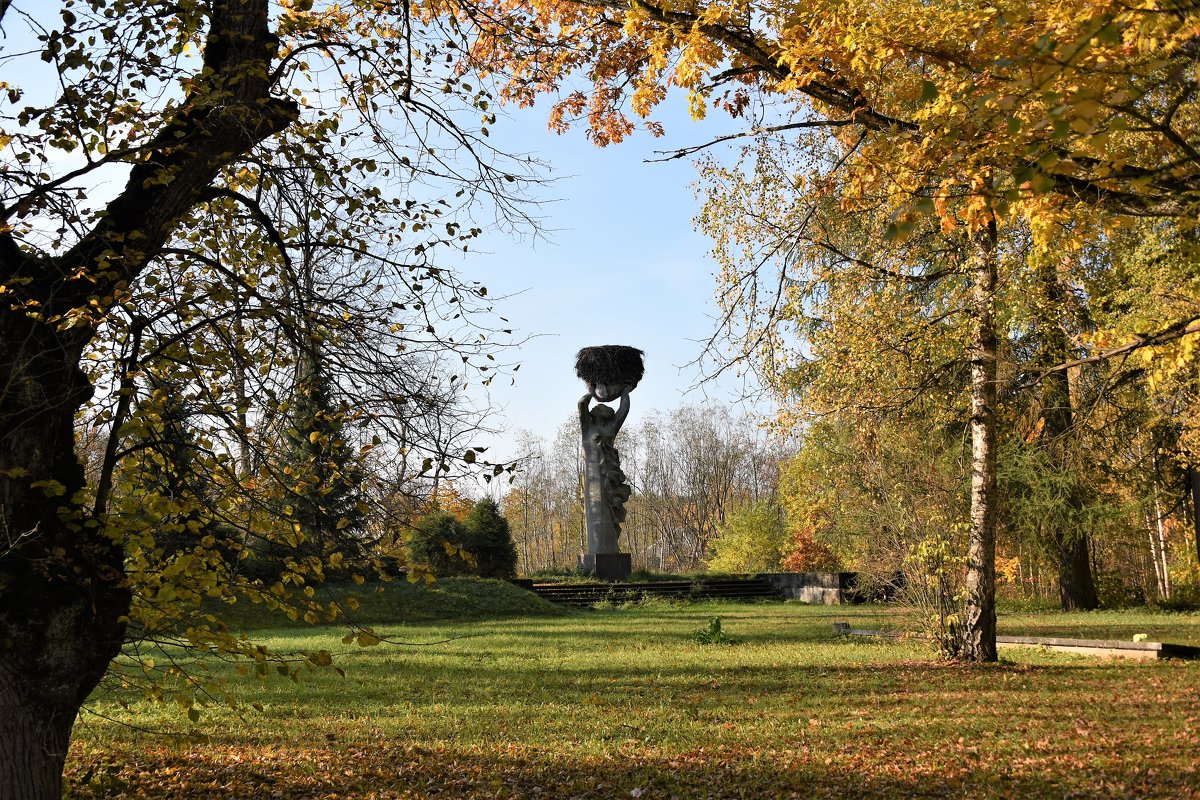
(623, 702)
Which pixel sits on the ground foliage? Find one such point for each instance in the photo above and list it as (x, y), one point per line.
(623, 703)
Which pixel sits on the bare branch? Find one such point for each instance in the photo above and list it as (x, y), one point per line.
(684, 152)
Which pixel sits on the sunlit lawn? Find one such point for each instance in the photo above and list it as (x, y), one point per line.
(624, 703)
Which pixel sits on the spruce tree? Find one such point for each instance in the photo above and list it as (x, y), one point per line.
(490, 541)
(323, 487)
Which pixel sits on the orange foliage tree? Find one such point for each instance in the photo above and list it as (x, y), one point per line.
(446, 497)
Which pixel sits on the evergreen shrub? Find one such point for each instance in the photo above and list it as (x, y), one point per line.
(480, 545)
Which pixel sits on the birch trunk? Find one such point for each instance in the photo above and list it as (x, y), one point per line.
(979, 616)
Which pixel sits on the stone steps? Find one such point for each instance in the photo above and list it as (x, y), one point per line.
(586, 594)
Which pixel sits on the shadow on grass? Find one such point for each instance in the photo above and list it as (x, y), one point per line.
(922, 693)
(388, 769)
(610, 704)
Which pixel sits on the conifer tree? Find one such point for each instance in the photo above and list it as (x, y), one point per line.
(323, 488)
(490, 541)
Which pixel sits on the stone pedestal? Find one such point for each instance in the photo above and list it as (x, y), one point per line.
(607, 566)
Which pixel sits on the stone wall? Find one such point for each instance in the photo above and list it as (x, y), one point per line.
(818, 588)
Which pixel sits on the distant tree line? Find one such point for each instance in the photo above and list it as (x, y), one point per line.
(882, 495)
(690, 468)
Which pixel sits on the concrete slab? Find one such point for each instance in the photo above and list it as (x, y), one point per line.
(1101, 648)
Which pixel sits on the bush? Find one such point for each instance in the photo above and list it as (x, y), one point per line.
(480, 545)
(751, 539)
(490, 541)
(438, 539)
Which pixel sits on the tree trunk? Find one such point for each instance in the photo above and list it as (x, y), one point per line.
(1161, 564)
(1076, 588)
(62, 593)
(1194, 485)
(979, 617)
(33, 745)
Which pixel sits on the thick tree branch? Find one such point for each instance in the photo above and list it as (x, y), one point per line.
(229, 112)
(1176, 330)
(846, 99)
(1168, 334)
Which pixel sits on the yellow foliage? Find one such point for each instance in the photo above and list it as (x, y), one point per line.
(1008, 570)
(1011, 100)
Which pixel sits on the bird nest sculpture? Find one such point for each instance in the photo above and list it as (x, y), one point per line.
(610, 369)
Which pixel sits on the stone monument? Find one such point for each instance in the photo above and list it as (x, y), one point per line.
(611, 372)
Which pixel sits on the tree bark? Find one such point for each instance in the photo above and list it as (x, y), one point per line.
(33, 745)
(62, 593)
(1076, 589)
(979, 615)
(1194, 485)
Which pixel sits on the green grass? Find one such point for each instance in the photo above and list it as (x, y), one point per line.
(625, 702)
(394, 602)
(1124, 624)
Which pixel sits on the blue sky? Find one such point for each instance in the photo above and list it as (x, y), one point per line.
(622, 265)
(618, 262)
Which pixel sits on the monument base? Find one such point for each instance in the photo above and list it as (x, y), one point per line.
(606, 566)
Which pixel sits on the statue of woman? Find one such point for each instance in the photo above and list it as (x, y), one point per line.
(605, 489)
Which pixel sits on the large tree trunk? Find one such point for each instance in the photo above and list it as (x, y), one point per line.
(979, 617)
(63, 599)
(33, 744)
(62, 594)
(1076, 588)
(1194, 486)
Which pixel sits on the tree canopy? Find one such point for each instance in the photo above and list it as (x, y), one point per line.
(200, 200)
(1064, 120)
